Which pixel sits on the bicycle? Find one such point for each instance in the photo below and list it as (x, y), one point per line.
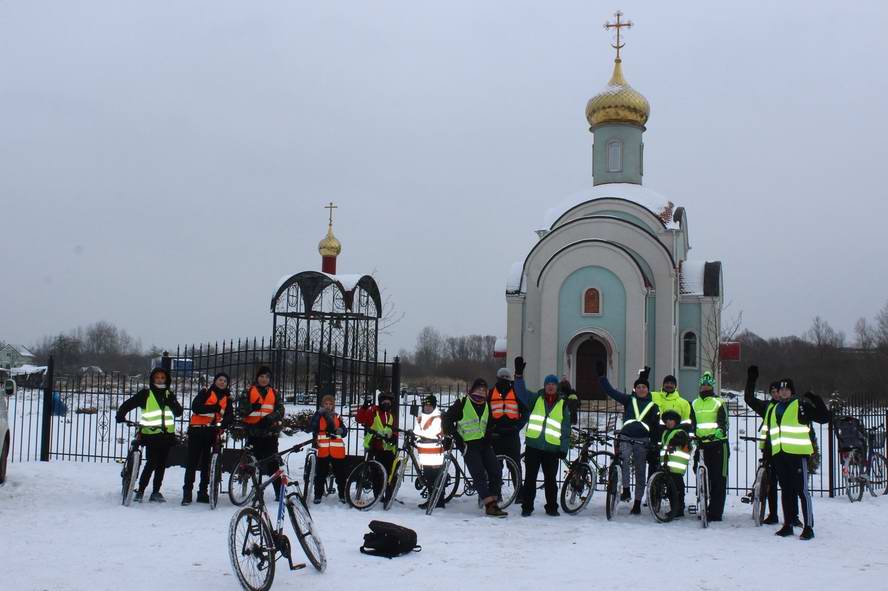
(216, 467)
(241, 482)
(701, 472)
(758, 494)
(862, 466)
(405, 452)
(447, 481)
(310, 472)
(255, 545)
(367, 481)
(661, 490)
(615, 475)
(129, 474)
(586, 472)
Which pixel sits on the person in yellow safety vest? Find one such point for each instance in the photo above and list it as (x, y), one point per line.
(157, 426)
(468, 422)
(210, 412)
(329, 435)
(508, 416)
(640, 433)
(675, 452)
(380, 436)
(709, 423)
(669, 398)
(262, 409)
(428, 430)
(546, 440)
(789, 439)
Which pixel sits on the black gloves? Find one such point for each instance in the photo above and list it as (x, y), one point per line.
(600, 369)
(752, 373)
(519, 366)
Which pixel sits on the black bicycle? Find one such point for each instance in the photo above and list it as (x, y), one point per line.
(129, 474)
(758, 494)
(863, 466)
(255, 544)
(216, 467)
(587, 473)
(367, 481)
(661, 490)
(399, 468)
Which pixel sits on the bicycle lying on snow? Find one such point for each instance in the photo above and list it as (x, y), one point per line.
(255, 544)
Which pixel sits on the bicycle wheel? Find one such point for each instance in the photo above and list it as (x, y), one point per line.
(240, 481)
(613, 491)
(398, 475)
(130, 476)
(853, 472)
(577, 488)
(365, 485)
(598, 463)
(510, 481)
(300, 519)
(659, 496)
(251, 550)
(703, 496)
(759, 495)
(216, 476)
(309, 471)
(877, 477)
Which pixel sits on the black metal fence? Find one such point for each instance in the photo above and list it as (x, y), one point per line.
(77, 413)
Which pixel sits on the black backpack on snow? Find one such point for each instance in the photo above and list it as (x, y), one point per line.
(389, 540)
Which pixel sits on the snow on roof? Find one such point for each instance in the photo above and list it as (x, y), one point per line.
(513, 283)
(27, 370)
(348, 282)
(692, 277)
(651, 200)
(20, 349)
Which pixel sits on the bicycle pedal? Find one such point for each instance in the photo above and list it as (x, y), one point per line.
(299, 566)
(692, 509)
(745, 500)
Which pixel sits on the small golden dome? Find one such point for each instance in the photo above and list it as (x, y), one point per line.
(330, 246)
(618, 103)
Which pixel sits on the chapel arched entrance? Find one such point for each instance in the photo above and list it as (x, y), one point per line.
(589, 354)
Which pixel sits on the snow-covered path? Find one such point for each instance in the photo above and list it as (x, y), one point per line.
(62, 528)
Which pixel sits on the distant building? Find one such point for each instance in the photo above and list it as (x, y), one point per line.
(15, 356)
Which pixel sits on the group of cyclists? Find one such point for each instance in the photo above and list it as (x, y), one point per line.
(660, 430)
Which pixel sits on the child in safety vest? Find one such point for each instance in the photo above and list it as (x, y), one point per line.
(675, 456)
(428, 431)
(329, 439)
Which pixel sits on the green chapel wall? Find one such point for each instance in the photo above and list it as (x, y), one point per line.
(689, 318)
(650, 303)
(632, 170)
(571, 320)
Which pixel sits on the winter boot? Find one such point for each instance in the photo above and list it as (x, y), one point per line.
(807, 533)
(785, 531)
(771, 520)
(552, 512)
(636, 508)
(186, 497)
(526, 512)
(317, 500)
(203, 497)
(156, 497)
(493, 510)
(627, 494)
(137, 496)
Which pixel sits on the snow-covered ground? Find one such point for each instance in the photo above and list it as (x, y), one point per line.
(62, 528)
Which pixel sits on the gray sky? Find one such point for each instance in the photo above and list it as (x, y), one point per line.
(163, 163)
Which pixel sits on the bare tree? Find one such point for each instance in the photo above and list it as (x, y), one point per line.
(718, 330)
(824, 336)
(865, 335)
(429, 348)
(881, 329)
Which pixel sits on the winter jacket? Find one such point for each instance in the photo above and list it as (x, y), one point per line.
(315, 424)
(504, 426)
(674, 402)
(199, 404)
(635, 430)
(165, 397)
(454, 415)
(530, 401)
(269, 426)
(428, 430)
(366, 415)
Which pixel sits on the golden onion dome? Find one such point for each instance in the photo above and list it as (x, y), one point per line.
(618, 103)
(330, 246)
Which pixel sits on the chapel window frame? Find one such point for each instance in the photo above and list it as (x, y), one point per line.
(684, 343)
(614, 164)
(600, 311)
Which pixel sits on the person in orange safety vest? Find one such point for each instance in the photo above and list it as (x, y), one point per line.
(329, 439)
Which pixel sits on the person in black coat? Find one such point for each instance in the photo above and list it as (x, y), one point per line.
(157, 439)
(211, 411)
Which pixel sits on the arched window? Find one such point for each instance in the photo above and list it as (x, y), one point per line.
(592, 301)
(689, 350)
(615, 156)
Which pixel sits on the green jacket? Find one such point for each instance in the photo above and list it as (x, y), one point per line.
(674, 402)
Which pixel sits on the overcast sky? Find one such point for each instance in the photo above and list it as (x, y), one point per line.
(163, 163)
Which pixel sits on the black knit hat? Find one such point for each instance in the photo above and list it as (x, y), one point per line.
(263, 371)
(774, 386)
(641, 381)
(431, 399)
(166, 375)
(671, 414)
(787, 383)
(477, 383)
(670, 380)
(222, 374)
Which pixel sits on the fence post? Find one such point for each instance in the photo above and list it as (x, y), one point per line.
(45, 433)
(831, 447)
(396, 376)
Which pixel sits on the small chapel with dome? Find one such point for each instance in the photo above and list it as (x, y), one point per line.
(610, 278)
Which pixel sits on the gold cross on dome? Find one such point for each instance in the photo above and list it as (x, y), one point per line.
(618, 25)
(331, 207)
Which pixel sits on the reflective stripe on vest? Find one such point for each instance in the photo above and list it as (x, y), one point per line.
(267, 405)
(789, 435)
(763, 430)
(676, 460)
(431, 452)
(639, 417)
(470, 427)
(384, 430)
(706, 410)
(156, 419)
(546, 425)
(503, 405)
(210, 418)
(328, 445)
